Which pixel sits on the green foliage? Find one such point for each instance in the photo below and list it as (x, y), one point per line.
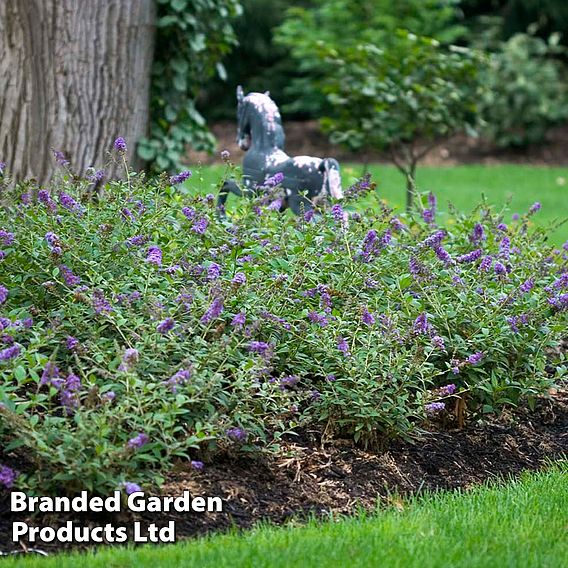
(359, 327)
(192, 38)
(257, 62)
(527, 91)
(339, 24)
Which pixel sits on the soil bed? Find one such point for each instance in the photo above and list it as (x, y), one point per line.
(305, 138)
(339, 478)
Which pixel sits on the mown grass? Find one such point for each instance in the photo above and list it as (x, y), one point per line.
(463, 186)
(521, 524)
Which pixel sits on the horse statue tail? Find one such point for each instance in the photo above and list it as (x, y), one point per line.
(331, 178)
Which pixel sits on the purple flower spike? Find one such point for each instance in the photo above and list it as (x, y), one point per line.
(434, 408)
(213, 311)
(343, 346)
(3, 294)
(180, 178)
(475, 358)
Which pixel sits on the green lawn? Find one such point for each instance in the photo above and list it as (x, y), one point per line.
(463, 186)
(521, 524)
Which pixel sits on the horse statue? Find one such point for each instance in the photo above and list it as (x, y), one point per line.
(304, 179)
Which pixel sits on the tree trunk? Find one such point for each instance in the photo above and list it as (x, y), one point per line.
(410, 187)
(74, 75)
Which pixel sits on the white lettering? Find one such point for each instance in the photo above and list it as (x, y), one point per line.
(18, 529)
(18, 501)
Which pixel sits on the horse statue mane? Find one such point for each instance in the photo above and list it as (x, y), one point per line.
(304, 179)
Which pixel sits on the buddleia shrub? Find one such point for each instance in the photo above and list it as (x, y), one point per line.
(141, 330)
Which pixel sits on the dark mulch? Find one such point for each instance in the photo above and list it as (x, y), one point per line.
(305, 138)
(339, 478)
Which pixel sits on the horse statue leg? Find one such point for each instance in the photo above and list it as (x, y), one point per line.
(229, 186)
(299, 203)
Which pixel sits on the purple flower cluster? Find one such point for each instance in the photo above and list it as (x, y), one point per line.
(237, 434)
(214, 271)
(131, 488)
(475, 358)
(367, 317)
(289, 381)
(200, 226)
(180, 178)
(60, 158)
(129, 360)
(448, 390)
(421, 326)
(154, 255)
(499, 268)
(100, 303)
(165, 325)
(478, 234)
(10, 353)
(68, 392)
(44, 197)
(7, 476)
(534, 208)
(71, 343)
(137, 240)
(179, 378)
(68, 276)
(138, 441)
(50, 374)
(337, 212)
(418, 270)
(372, 244)
(120, 145)
(470, 256)
(434, 408)
(343, 346)
(189, 212)
(438, 342)
(526, 286)
(274, 180)
(239, 278)
(70, 204)
(213, 311)
(429, 214)
(320, 319)
(239, 320)
(516, 321)
(486, 263)
(6, 237)
(3, 294)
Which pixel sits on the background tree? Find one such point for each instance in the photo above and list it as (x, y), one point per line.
(75, 74)
(405, 98)
(348, 23)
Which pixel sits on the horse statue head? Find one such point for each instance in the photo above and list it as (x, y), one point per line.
(306, 180)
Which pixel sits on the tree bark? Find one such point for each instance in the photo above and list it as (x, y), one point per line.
(74, 75)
